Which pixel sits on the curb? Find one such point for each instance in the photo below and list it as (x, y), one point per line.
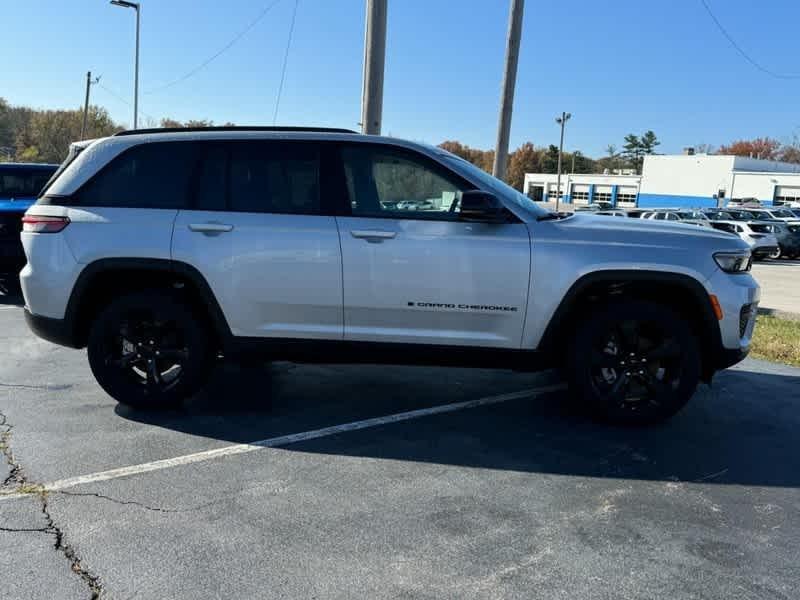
(782, 314)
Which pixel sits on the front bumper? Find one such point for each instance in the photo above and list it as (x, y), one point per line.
(764, 251)
(735, 293)
(728, 358)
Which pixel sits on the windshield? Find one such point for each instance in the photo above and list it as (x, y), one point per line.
(498, 187)
(22, 183)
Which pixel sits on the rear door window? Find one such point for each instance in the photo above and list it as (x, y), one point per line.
(154, 175)
(274, 177)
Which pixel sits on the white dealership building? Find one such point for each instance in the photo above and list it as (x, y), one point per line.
(685, 180)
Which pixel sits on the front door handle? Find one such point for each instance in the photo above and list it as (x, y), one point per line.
(373, 236)
(210, 227)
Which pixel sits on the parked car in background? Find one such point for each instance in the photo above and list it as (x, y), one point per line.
(761, 222)
(688, 216)
(745, 202)
(789, 240)
(612, 213)
(773, 214)
(762, 245)
(723, 214)
(20, 184)
(601, 205)
(636, 213)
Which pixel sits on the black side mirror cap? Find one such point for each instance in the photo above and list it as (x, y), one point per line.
(483, 207)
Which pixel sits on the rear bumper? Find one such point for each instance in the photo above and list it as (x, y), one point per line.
(57, 331)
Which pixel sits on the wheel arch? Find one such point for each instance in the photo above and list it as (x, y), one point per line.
(683, 293)
(105, 279)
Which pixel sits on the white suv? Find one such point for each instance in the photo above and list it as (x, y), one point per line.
(160, 250)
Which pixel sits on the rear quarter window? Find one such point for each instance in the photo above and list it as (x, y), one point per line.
(154, 175)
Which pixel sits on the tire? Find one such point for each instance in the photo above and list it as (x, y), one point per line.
(776, 254)
(148, 350)
(633, 363)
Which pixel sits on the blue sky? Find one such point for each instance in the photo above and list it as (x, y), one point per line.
(619, 67)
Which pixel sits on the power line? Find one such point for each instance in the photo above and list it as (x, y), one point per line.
(113, 93)
(121, 98)
(285, 61)
(739, 49)
(212, 58)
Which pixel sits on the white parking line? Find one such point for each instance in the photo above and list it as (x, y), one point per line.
(158, 465)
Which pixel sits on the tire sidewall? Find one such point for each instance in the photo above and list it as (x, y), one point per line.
(113, 381)
(601, 321)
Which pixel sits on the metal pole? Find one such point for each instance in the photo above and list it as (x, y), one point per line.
(374, 59)
(509, 82)
(560, 150)
(136, 74)
(86, 104)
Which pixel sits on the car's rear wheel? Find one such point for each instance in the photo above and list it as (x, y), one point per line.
(147, 350)
(775, 254)
(633, 363)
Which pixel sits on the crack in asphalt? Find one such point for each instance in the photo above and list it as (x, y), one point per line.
(17, 477)
(123, 502)
(15, 471)
(91, 581)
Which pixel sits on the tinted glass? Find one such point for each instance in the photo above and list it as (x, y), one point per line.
(23, 183)
(147, 176)
(211, 182)
(386, 182)
(274, 178)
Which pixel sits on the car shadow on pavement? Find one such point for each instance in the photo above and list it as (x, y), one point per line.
(744, 430)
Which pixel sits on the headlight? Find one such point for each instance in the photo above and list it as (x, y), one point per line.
(734, 262)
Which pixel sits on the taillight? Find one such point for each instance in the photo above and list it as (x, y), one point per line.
(37, 224)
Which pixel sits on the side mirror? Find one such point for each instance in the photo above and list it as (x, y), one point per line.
(480, 206)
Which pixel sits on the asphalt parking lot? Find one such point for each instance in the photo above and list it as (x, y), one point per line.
(508, 497)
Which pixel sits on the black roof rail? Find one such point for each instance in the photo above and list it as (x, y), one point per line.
(235, 128)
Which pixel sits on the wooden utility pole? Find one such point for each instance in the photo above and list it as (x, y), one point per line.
(509, 82)
(89, 83)
(374, 58)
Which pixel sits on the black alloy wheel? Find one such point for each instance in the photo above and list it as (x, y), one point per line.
(148, 350)
(634, 363)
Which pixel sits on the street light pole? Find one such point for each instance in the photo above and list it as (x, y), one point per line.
(562, 120)
(137, 7)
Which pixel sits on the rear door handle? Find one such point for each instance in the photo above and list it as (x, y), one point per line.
(210, 227)
(373, 236)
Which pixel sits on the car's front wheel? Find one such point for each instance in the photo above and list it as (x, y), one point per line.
(633, 363)
(148, 350)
